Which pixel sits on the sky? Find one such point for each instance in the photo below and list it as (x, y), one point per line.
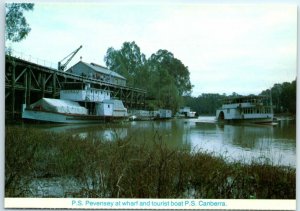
(242, 48)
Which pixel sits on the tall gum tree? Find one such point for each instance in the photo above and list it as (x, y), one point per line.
(165, 77)
(128, 61)
(166, 60)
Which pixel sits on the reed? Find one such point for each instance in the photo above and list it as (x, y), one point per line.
(124, 169)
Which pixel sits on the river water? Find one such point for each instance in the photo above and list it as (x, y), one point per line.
(275, 144)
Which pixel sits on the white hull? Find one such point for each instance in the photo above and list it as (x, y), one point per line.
(249, 109)
(46, 116)
(249, 120)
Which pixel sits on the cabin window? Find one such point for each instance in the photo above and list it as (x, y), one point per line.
(108, 106)
(228, 110)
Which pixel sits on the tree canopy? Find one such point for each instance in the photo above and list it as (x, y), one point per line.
(128, 61)
(165, 77)
(164, 59)
(205, 104)
(283, 97)
(17, 27)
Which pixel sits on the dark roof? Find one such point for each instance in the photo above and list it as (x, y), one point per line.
(245, 98)
(248, 97)
(101, 69)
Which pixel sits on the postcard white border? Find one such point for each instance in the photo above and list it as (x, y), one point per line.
(174, 204)
(66, 203)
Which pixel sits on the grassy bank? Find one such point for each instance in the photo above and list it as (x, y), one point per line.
(125, 169)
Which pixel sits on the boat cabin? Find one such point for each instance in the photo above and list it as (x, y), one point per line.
(246, 108)
(111, 107)
(81, 92)
(164, 114)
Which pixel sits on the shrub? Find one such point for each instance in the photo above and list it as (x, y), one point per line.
(125, 169)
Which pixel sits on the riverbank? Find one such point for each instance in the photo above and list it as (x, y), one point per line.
(124, 169)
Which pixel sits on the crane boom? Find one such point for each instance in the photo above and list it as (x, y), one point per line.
(62, 67)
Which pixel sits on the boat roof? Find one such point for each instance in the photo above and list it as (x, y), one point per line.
(245, 98)
(249, 97)
(56, 102)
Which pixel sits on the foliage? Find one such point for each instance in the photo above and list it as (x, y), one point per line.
(128, 61)
(165, 77)
(205, 104)
(165, 60)
(283, 97)
(123, 169)
(20, 149)
(17, 27)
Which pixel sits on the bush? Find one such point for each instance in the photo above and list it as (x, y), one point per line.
(124, 169)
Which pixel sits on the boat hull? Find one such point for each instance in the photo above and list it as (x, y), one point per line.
(263, 121)
(46, 116)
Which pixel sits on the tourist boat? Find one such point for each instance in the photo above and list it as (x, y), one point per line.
(249, 109)
(78, 103)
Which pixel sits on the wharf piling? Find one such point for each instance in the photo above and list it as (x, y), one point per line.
(27, 82)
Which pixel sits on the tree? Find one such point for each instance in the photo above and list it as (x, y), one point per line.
(128, 61)
(206, 103)
(288, 97)
(165, 78)
(283, 97)
(169, 80)
(17, 27)
(175, 68)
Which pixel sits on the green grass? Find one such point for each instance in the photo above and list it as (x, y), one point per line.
(124, 169)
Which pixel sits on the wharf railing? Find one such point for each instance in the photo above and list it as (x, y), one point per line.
(30, 58)
(26, 81)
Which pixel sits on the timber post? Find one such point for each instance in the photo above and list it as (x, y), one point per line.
(53, 85)
(43, 85)
(26, 91)
(131, 98)
(26, 81)
(28, 87)
(13, 90)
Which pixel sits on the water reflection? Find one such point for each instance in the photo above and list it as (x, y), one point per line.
(248, 142)
(247, 137)
(237, 142)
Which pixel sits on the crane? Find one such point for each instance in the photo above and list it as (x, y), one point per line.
(61, 66)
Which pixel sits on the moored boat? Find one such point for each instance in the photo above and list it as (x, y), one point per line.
(185, 112)
(78, 103)
(246, 109)
(57, 117)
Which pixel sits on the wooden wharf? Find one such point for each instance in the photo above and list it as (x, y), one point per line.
(27, 82)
